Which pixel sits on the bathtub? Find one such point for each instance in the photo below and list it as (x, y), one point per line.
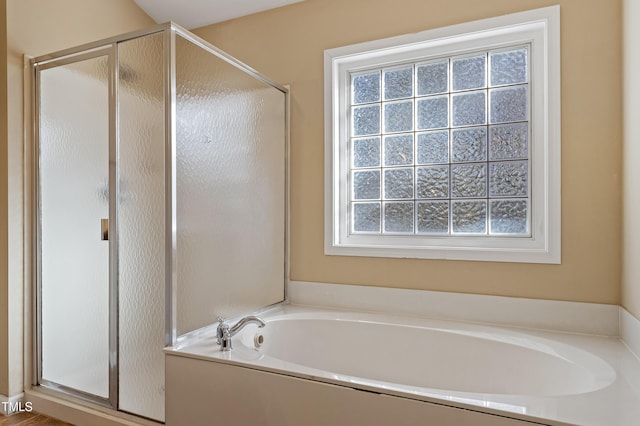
(313, 366)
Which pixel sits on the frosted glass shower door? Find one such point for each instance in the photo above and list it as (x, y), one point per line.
(73, 189)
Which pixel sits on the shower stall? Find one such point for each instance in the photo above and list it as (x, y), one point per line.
(159, 204)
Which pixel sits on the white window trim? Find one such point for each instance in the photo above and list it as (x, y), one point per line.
(541, 29)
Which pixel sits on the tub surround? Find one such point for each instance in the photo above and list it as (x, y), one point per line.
(615, 401)
(630, 331)
(572, 317)
(607, 332)
(254, 397)
(552, 315)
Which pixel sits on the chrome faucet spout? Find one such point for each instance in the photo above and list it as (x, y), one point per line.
(244, 321)
(225, 333)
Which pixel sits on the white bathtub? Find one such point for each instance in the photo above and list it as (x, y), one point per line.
(441, 370)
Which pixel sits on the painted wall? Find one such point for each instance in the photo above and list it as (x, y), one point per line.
(287, 44)
(4, 290)
(34, 28)
(631, 150)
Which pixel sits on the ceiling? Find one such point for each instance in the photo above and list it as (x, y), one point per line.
(197, 13)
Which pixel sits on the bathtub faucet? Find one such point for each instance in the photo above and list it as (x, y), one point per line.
(225, 333)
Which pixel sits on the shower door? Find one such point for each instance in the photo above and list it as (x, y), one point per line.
(74, 186)
(100, 220)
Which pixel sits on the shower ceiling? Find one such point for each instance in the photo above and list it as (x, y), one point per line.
(197, 13)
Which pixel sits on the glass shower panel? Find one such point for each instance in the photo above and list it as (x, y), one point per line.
(141, 237)
(230, 178)
(74, 199)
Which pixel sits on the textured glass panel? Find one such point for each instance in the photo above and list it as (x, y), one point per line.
(366, 152)
(509, 217)
(433, 217)
(366, 185)
(366, 88)
(366, 120)
(469, 73)
(366, 217)
(433, 78)
(509, 141)
(508, 178)
(74, 197)
(433, 113)
(398, 183)
(469, 217)
(141, 221)
(509, 104)
(469, 144)
(509, 67)
(398, 117)
(230, 180)
(469, 180)
(432, 182)
(469, 109)
(398, 150)
(398, 83)
(433, 147)
(398, 217)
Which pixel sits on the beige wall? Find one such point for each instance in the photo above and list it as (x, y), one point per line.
(4, 293)
(287, 45)
(36, 27)
(631, 149)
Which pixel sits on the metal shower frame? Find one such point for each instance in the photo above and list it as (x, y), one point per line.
(109, 47)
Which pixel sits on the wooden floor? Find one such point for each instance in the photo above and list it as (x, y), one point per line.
(30, 419)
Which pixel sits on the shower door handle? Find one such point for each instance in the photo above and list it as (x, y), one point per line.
(104, 229)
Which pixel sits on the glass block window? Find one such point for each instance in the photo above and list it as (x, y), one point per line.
(445, 144)
(442, 146)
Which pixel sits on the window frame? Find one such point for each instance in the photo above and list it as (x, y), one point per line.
(540, 29)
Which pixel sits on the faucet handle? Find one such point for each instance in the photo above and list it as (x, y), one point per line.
(220, 331)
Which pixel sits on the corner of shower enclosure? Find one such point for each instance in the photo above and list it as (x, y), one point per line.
(160, 202)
